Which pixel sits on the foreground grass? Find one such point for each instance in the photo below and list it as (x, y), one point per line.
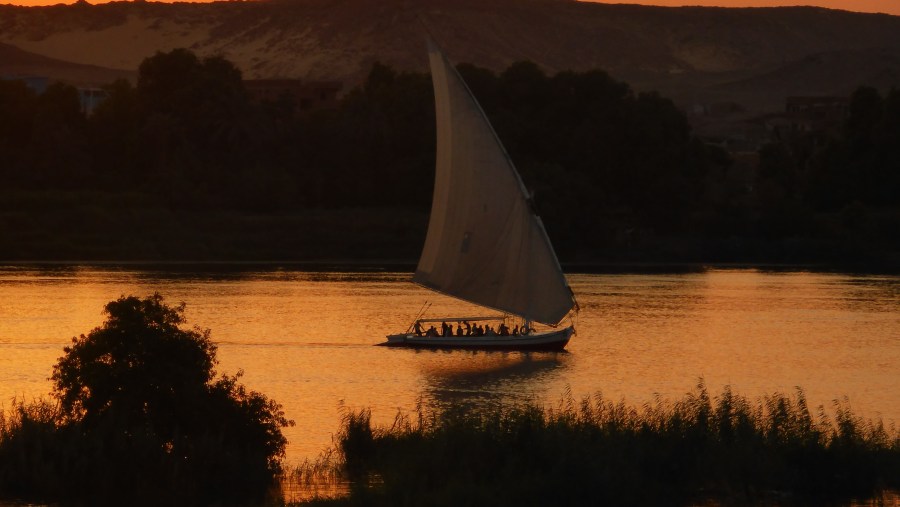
(700, 450)
(45, 460)
(725, 451)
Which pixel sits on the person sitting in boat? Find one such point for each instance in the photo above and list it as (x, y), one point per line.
(431, 331)
(515, 330)
(459, 329)
(489, 331)
(468, 328)
(418, 329)
(446, 329)
(504, 329)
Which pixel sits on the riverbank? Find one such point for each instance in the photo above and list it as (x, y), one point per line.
(107, 231)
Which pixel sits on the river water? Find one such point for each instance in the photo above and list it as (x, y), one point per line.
(305, 338)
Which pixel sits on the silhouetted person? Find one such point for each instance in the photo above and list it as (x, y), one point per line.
(459, 330)
(418, 328)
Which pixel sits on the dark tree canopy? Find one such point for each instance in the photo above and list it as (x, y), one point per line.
(139, 365)
(863, 165)
(617, 174)
(155, 421)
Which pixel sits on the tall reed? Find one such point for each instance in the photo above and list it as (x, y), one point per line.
(595, 451)
(29, 443)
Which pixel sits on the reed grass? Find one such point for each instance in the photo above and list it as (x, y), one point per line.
(724, 450)
(47, 459)
(700, 450)
(29, 437)
(320, 479)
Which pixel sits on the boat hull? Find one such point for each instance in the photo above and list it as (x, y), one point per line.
(551, 340)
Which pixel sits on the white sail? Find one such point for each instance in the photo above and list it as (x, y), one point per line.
(484, 243)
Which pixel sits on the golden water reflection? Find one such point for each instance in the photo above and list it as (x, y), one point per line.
(496, 378)
(306, 339)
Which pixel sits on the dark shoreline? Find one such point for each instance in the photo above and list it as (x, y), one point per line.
(409, 266)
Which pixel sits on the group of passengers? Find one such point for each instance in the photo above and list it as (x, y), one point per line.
(470, 330)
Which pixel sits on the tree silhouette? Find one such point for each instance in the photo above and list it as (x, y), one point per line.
(17, 111)
(862, 165)
(610, 167)
(153, 418)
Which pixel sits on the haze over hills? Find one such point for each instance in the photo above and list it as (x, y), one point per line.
(694, 54)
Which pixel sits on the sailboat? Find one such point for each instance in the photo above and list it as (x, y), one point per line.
(485, 244)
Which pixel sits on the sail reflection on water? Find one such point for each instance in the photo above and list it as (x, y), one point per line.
(481, 379)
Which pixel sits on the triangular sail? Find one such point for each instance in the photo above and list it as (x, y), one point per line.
(484, 243)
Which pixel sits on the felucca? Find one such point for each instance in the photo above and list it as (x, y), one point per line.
(485, 244)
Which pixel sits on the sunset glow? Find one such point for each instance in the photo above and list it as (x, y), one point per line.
(881, 6)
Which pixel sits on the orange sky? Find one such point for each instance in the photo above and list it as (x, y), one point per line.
(886, 6)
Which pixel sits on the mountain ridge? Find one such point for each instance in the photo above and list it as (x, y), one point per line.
(689, 53)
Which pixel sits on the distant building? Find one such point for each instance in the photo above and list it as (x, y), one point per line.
(89, 97)
(305, 96)
(824, 108)
(814, 114)
(812, 117)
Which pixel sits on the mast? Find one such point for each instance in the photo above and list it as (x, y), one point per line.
(484, 244)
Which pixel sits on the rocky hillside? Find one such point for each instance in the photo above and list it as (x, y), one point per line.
(16, 62)
(693, 54)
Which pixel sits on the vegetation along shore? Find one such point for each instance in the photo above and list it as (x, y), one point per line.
(702, 449)
(185, 166)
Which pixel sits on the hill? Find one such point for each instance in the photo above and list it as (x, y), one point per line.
(17, 62)
(692, 53)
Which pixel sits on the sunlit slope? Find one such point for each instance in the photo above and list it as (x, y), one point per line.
(668, 48)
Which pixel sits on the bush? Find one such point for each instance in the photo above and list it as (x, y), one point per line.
(143, 419)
